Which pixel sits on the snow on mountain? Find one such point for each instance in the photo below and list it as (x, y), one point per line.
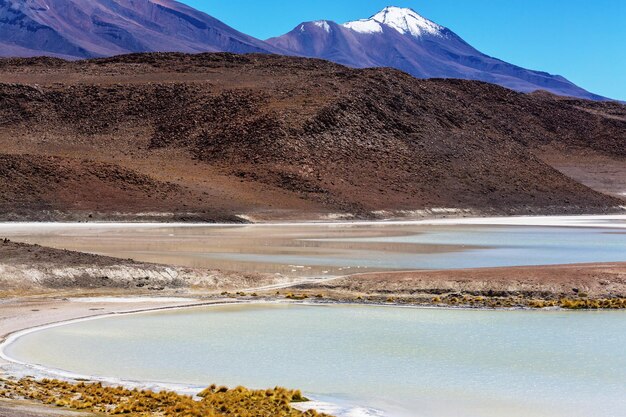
(322, 24)
(401, 38)
(364, 26)
(405, 21)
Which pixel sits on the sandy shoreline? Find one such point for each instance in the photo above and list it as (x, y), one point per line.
(21, 316)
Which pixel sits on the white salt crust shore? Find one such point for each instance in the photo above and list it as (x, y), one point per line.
(613, 221)
(132, 300)
(20, 369)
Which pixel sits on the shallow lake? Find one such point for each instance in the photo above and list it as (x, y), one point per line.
(400, 361)
(337, 249)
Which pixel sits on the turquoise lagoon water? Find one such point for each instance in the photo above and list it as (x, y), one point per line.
(469, 247)
(372, 360)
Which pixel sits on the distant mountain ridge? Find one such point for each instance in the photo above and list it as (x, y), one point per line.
(101, 28)
(401, 38)
(395, 37)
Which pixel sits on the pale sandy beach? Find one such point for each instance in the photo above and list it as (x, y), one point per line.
(25, 313)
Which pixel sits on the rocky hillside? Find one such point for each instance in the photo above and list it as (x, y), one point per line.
(54, 187)
(224, 134)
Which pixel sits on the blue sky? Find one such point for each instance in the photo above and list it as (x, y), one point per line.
(583, 40)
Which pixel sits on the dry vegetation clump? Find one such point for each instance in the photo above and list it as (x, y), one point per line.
(581, 302)
(593, 304)
(523, 302)
(513, 302)
(299, 297)
(212, 402)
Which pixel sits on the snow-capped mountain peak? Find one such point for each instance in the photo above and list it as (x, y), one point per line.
(323, 24)
(407, 21)
(403, 20)
(364, 26)
(401, 38)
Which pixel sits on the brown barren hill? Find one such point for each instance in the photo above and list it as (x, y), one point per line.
(223, 134)
(51, 188)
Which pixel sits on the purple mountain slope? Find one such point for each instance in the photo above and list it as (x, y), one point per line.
(395, 37)
(402, 39)
(94, 28)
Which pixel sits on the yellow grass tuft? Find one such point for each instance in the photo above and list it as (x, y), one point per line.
(214, 401)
